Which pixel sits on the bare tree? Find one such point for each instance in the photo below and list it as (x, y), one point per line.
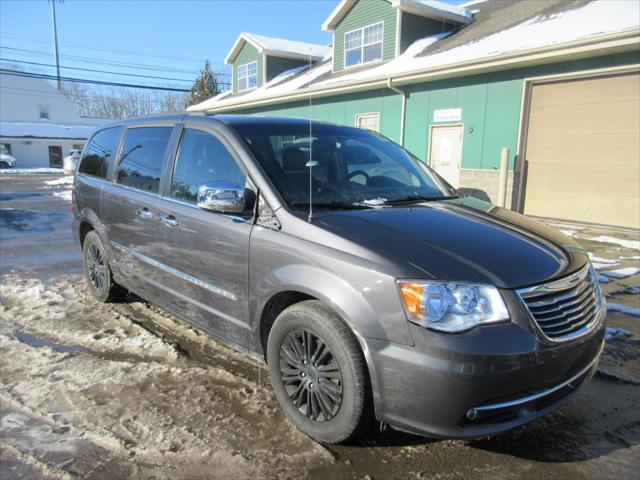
(122, 102)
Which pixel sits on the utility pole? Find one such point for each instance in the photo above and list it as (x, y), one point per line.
(55, 42)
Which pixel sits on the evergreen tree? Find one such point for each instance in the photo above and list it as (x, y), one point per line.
(206, 86)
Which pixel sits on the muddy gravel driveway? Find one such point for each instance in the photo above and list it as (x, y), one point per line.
(125, 391)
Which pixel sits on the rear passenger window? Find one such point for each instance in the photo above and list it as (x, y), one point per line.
(141, 157)
(202, 158)
(100, 151)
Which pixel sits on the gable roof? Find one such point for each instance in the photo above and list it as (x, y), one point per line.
(503, 35)
(278, 47)
(424, 8)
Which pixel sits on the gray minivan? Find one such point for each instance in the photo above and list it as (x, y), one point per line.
(371, 287)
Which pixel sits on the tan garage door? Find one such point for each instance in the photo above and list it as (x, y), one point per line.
(583, 150)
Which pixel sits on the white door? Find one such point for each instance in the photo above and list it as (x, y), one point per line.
(445, 153)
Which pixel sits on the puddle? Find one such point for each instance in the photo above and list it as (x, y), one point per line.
(37, 342)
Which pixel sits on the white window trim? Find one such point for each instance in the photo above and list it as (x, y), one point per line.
(375, 115)
(344, 44)
(44, 109)
(247, 76)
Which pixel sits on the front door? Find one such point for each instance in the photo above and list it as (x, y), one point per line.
(206, 253)
(445, 153)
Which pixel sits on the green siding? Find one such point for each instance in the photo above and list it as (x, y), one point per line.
(343, 109)
(490, 106)
(276, 66)
(363, 13)
(247, 54)
(414, 27)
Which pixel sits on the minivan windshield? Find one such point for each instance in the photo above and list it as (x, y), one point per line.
(349, 167)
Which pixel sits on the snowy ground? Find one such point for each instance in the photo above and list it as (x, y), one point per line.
(103, 392)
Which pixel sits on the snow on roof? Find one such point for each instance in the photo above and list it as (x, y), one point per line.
(597, 18)
(425, 8)
(279, 47)
(45, 130)
(434, 9)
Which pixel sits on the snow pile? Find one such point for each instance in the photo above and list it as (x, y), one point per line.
(131, 397)
(601, 265)
(621, 272)
(634, 244)
(68, 180)
(13, 171)
(65, 195)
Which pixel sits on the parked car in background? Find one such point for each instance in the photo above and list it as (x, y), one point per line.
(6, 160)
(370, 287)
(70, 162)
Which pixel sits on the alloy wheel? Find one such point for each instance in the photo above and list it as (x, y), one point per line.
(311, 375)
(96, 267)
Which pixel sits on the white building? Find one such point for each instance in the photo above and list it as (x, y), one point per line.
(38, 124)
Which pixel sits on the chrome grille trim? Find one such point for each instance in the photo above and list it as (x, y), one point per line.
(565, 309)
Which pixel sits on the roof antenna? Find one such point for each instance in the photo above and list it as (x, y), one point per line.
(310, 163)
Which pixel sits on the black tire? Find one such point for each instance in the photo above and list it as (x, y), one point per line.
(331, 421)
(98, 272)
(4, 164)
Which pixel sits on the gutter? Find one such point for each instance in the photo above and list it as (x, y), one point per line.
(403, 93)
(624, 41)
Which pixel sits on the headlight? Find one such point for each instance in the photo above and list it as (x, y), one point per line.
(451, 307)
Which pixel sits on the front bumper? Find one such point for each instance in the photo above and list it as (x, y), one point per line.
(478, 383)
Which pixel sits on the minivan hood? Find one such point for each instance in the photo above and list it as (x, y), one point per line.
(463, 239)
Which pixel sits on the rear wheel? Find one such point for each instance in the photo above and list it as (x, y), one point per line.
(98, 272)
(318, 372)
(4, 164)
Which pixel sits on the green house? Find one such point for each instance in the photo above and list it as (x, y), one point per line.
(256, 60)
(554, 85)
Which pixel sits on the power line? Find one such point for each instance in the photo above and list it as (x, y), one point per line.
(95, 71)
(137, 66)
(98, 49)
(94, 82)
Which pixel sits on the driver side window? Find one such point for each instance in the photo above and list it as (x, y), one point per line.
(202, 158)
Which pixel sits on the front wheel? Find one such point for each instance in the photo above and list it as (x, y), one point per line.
(98, 272)
(318, 372)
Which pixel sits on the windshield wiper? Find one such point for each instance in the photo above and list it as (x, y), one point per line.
(334, 205)
(419, 198)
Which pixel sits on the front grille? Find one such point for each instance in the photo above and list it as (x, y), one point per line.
(566, 308)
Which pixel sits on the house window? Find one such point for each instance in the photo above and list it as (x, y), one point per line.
(44, 111)
(368, 121)
(248, 76)
(363, 45)
(5, 148)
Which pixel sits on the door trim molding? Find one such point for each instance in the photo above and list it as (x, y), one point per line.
(178, 273)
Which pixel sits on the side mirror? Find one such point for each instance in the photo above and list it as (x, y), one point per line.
(223, 197)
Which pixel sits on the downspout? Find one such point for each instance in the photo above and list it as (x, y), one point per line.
(403, 108)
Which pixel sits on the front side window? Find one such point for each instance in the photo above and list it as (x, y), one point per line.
(100, 152)
(142, 156)
(347, 165)
(368, 121)
(363, 45)
(5, 148)
(248, 76)
(202, 158)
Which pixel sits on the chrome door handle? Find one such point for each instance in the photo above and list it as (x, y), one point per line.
(170, 220)
(144, 213)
